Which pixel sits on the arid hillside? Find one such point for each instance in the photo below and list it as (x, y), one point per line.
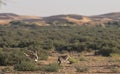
(5, 18)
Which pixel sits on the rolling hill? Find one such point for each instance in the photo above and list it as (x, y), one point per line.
(5, 18)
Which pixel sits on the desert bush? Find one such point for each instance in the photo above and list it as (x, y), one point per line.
(83, 59)
(72, 60)
(51, 67)
(108, 51)
(26, 66)
(43, 54)
(82, 69)
(7, 70)
(114, 55)
(12, 57)
(114, 68)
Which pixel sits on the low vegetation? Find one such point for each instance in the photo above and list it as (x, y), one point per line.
(12, 56)
(72, 60)
(7, 70)
(114, 68)
(51, 68)
(83, 59)
(17, 38)
(82, 69)
(26, 66)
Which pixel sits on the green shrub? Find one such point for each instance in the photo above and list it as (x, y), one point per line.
(51, 67)
(108, 51)
(82, 69)
(12, 57)
(83, 59)
(43, 54)
(72, 60)
(114, 55)
(26, 66)
(7, 70)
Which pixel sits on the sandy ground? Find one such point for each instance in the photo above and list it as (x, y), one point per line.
(94, 64)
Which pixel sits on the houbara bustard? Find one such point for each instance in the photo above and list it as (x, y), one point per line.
(63, 59)
(32, 54)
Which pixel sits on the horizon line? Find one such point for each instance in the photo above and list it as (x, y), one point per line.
(59, 14)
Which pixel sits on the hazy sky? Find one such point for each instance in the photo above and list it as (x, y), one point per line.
(54, 7)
